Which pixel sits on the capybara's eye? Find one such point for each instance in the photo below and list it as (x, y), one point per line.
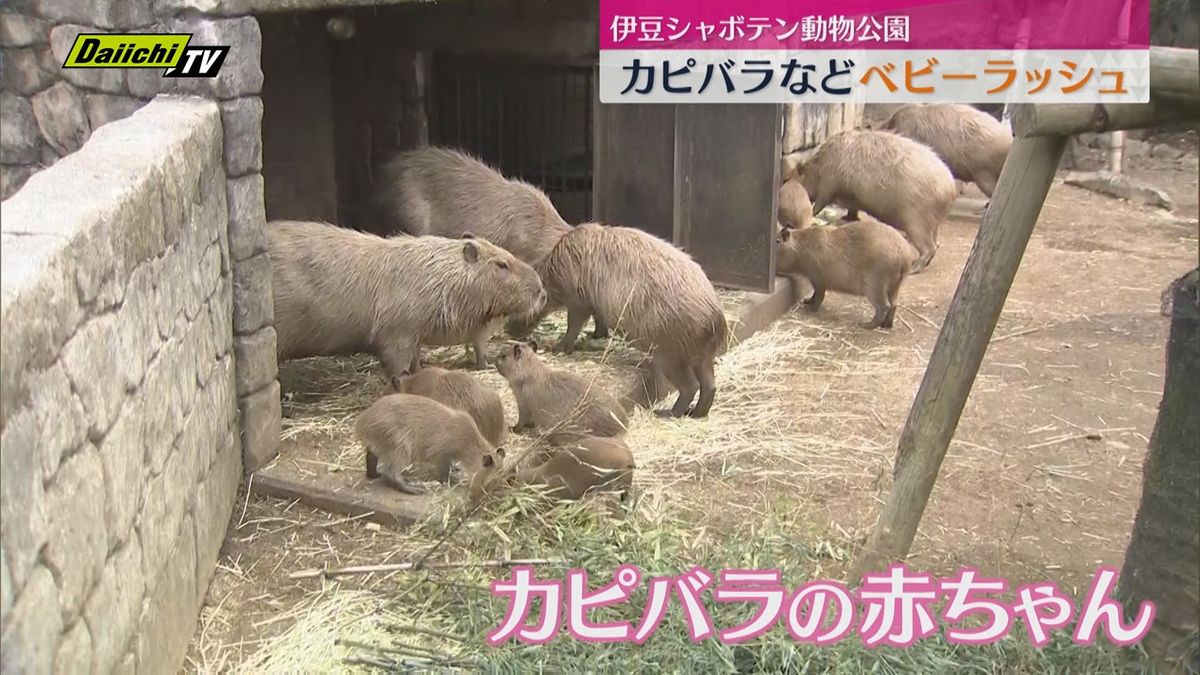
(502, 265)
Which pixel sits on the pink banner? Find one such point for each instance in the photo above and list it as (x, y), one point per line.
(875, 24)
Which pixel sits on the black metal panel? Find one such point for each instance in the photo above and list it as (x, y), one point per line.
(727, 170)
(635, 167)
(531, 120)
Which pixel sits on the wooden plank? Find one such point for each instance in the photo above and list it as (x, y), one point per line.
(634, 174)
(392, 510)
(1175, 71)
(961, 344)
(726, 173)
(1068, 119)
(759, 310)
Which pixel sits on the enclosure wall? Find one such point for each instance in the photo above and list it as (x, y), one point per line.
(121, 447)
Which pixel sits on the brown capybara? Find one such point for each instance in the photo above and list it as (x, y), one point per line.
(460, 391)
(795, 209)
(444, 192)
(581, 467)
(972, 143)
(652, 293)
(864, 258)
(338, 291)
(418, 438)
(563, 405)
(897, 180)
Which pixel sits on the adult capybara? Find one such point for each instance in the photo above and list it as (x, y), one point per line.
(895, 179)
(652, 293)
(418, 438)
(795, 209)
(338, 291)
(581, 467)
(461, 391)
(972, 143)
(864, 258)
(564, 405)
(444, 192)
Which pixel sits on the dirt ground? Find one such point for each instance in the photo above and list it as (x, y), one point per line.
(1043, 477)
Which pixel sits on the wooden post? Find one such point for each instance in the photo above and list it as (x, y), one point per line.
(966, 331)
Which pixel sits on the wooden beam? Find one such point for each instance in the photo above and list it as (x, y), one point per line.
(1068, 119)
(1175, 72)
(961, 344)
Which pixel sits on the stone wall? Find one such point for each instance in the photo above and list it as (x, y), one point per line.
(120, 444)
(47, 112)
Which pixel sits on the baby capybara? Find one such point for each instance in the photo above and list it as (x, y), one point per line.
(652, 293)
(864, 258)
(445, 192)
(582, 467)
(461, 391)
(972, 143)
(338, 291)
(563, 405)
(795, 209)
(895, 179)
(418, 438)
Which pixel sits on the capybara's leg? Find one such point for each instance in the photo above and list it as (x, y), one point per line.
(680, 375)
(479, 344)
(986, 181)
(600, 330)
(708, 387)
(524, 420)
(399, 358)
(372, 465)
(520, 327)
(851, 215)
(877, 294)
(405, 486)
(575, 319)
(814, 301)
(925, 243)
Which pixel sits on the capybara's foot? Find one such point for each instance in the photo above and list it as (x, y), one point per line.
(668, 413)
(600, 335)
(406, 486)
(812, 304)
(565, 347)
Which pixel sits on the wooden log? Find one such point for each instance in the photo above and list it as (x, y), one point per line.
(1068, 119)
(961, 344)
(1175, 72)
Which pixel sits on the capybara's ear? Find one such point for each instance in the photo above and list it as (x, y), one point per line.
(470, 251)
(516, 350)
(468, 235)
(398, 384)
(785, 234)
(500, 452)
(533, 344)
(488, 461)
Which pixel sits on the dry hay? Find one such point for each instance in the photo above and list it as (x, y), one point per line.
(755, 427)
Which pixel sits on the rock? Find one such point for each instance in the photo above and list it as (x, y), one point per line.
(123, 14)
(24, 71)
(78, 540)
(20, 29)
(12, 177)
(95, 373)
(61, 118)
(22, 504)
(171, 614)
(75, 652)
(123, 458)
(257, 364)
(108, 80)
(113, 610)
(105, 108)
(34, 627)
(240, 75)
(253, 304)
(60, 417)
(1120, 186)
(247, 217)
(262, 422)
(170, 383)
(242, 122)
(19, 135)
